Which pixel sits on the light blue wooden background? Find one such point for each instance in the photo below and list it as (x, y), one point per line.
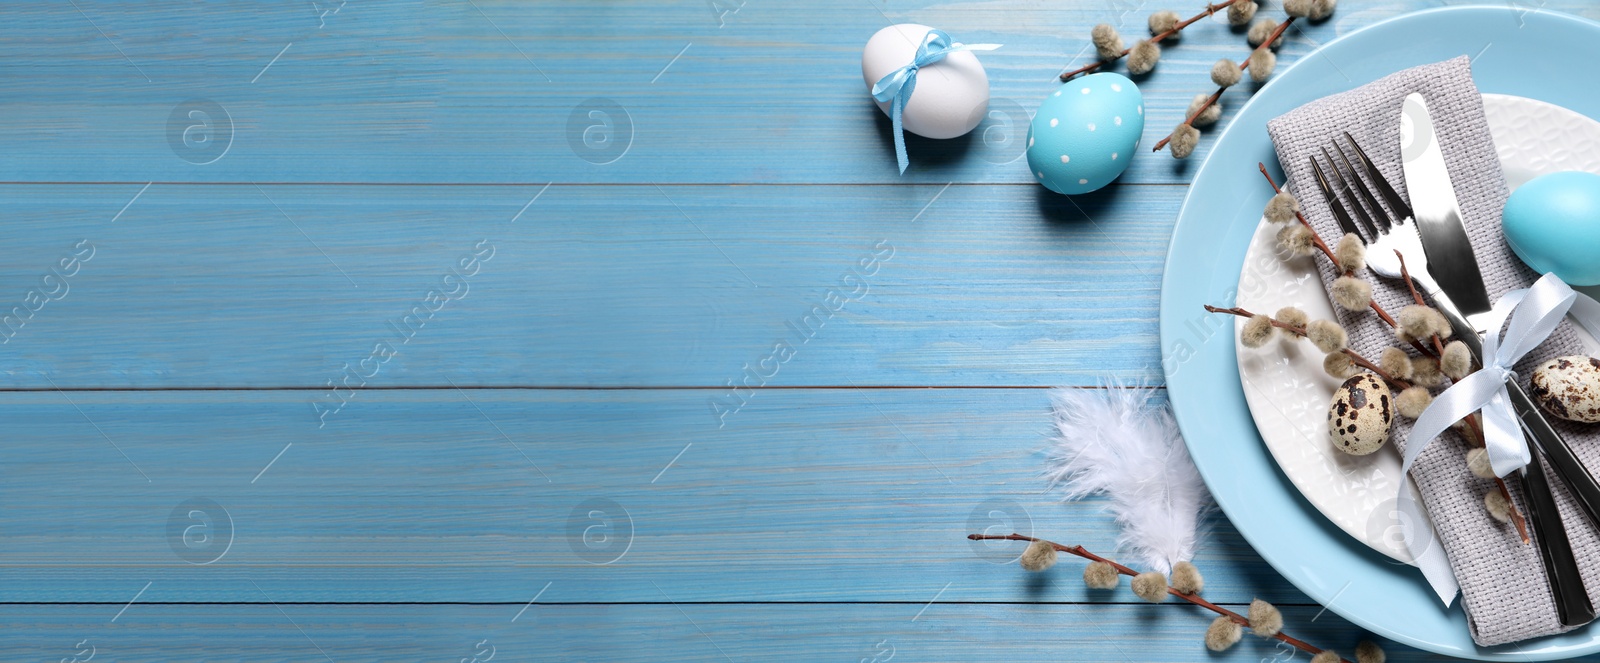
(440, 513)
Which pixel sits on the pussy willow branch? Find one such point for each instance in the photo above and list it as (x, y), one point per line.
(1471, 419)
(1317, 238)
(1192, 598)
(1474, 436)
(1437, 351)
(1218, 94)
(1156, 39)
(1516, 515)
(1476, 439)
(1301, 331)
(1405, 275)
(1190, 119)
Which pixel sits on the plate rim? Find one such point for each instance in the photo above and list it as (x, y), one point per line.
(1172, 338)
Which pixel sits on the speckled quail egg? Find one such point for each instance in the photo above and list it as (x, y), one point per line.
(1569, 387)
(1360, 415)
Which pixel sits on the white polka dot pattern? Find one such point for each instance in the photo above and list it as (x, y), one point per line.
(1076, 139)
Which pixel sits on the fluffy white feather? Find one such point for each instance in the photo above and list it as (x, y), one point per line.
(1118, 442)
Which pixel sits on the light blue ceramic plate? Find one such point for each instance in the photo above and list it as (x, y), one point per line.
(1513, 49)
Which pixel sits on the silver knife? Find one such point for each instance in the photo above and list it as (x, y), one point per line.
(1458, 292)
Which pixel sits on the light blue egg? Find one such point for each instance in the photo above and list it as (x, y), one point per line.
(1553, 225)
(1085, 133)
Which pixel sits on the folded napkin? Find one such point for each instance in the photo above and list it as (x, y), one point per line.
(1503, 584)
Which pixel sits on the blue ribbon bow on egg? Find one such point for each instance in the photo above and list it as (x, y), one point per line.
(899, 84)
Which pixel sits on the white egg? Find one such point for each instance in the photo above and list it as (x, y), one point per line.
(951, 95)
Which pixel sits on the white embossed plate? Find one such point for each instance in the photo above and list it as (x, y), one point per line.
(1284, 385)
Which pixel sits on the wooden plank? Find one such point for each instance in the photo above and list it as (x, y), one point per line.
(487, 495)
(827, 494)
(1117, 633)
(244, 286)
(484, 92)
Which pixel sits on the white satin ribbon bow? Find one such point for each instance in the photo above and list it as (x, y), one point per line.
(1535, 312)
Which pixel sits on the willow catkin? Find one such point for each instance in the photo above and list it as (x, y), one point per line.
(1101, 575)
(1107, 43)
(1257, 331)
(1225, 73)
(1240, 12)
(1039, 556)
(1424, 321)
(1425, 372)
(1282, 208)
(1150, 586)
(1456, 361)
(1327, 335)
(1339, 365)
(1222, 634)
(1498, 506)
(1315, 10)
(1478, 463)
(1260, 30)
(1265, 620)
(1163, 21)
(1296, 241)
(1204, 114)
(1186, 578)
(1351, 294)
(1262, 62)
(1292, 317)
(1143, 57)
(1350, 253)
(1368, 651)
(1396, 363)
(1184, 140)
(1412, 401)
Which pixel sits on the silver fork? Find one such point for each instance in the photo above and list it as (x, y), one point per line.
(1394, 234)
(1385, 233)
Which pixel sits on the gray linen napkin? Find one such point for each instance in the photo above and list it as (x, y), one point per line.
(1503, 583)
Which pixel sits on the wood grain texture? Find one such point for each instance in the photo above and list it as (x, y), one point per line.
(662, 631)
(281, 286)
(348, 154)
(463, 92)
(485, 495)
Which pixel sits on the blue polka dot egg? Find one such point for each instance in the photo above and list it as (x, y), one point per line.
(1085, 133)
